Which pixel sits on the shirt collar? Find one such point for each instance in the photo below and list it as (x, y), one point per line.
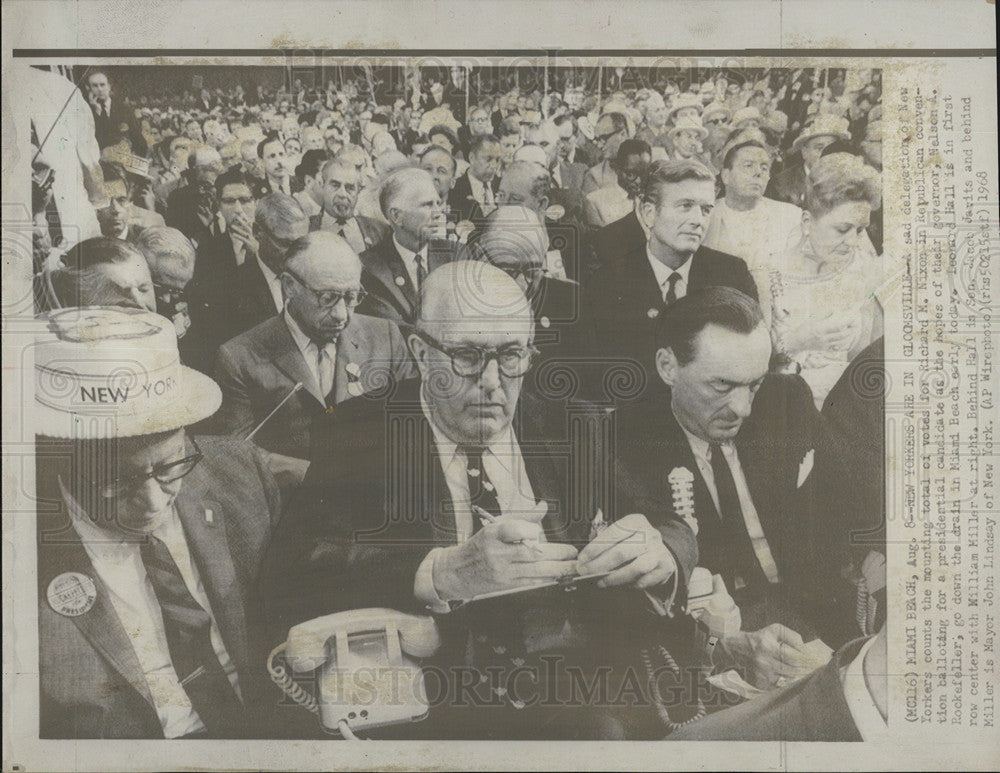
(663, 272)
(305, 344)
(502, 448)
(409, 256)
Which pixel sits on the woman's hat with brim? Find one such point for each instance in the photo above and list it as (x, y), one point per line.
(108, 372)
(824, 124)
(689, 123)
(685, 100)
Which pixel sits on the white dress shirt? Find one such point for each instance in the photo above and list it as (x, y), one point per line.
(321, 366)
(351, 228)
(273, 284)
(410, 261)
(119, 565)
(864, 712)
(482, 193)
(504, 465)
(663, 272)
(703, 457)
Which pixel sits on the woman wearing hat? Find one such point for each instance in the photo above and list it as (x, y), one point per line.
(820, 296)
(790, 184)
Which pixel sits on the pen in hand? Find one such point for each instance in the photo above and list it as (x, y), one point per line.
(486, 517)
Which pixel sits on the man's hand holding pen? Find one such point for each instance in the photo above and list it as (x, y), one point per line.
(631, 550)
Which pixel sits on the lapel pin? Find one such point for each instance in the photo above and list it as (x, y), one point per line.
(653, 313)
(400, 281)
(352, 369)
(473, 472)
(209, 515)
(487, 485)
(71, 594)
(544, 321)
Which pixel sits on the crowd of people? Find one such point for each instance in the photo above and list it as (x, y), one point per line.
(307, 352)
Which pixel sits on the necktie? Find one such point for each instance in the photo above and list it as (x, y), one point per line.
(188, 628)
(487, 198)
(481, 490)
(421, 270)
(341, 225)
(737, 554)
(324, 368)
(671, 294)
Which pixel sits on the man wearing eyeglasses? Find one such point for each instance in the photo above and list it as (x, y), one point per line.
(317, 341)
(459, 484)
(611, 130)
(149, 542)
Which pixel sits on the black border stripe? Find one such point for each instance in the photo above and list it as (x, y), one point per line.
(136, 53)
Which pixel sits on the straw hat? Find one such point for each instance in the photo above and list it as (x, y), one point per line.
(824, 124)
(689, 123)
(106, 372)
(684, 100)
(715, 110)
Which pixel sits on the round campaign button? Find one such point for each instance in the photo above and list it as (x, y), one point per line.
(400, 281)
(353, 369)
(653, 313)
(71, 594)
(545, 322)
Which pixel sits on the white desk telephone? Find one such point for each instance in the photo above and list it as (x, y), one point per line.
(364, 678)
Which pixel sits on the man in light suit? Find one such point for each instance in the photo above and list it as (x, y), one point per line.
(317, 341)
(746, 440)
(395, 269)
(341, 184)
(148, 541)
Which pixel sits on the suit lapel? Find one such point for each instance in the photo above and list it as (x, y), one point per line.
(644, 279)
(210, 549)
(349, 352)
(101, 625)
(393, 274)
(287, 358)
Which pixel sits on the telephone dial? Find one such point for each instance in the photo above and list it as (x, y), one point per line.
(364, 678)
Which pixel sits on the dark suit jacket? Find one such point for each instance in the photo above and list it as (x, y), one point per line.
(92, 685)
(257, 369)
(120, 122)
(618, 238)
(622, 302)
(811, 709)
(253, 300)
(376, 503)
(773, 442)
(260, 187)
(372, 231)
(461, 200)
(182, 213)
(391, 294)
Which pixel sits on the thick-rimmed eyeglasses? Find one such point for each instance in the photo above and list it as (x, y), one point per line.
(165, 472)
(327, 299)
(513, 360)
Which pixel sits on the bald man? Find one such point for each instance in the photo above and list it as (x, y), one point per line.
(317, 341)
(461, 484)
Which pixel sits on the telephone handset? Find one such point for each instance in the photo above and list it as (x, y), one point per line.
(365, 679)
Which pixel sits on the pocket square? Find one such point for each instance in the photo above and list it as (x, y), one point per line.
(806, 466)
